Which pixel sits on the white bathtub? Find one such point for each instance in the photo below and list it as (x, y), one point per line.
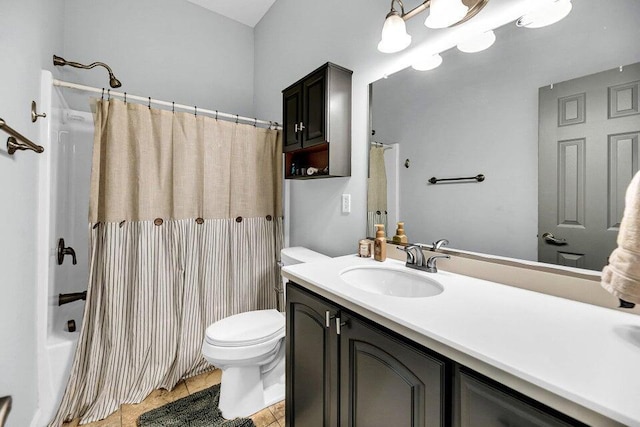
(64, 180)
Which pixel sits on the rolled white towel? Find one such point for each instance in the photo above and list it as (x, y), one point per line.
(622, 276)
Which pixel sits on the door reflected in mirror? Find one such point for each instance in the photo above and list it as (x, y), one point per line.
(482, 113)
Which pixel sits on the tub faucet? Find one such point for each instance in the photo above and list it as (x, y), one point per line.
(438, 244)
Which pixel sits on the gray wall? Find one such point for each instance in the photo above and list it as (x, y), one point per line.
(478, 113)
(295, 37)
(166, 49)
(30, 30)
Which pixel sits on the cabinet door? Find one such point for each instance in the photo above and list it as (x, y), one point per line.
(314, 109)
(386, 382)
(291, 113)
(482, 404)
(312, 361)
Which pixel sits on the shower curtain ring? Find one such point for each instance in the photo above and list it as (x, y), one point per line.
(255, 122)
(195, 110)
(149, 105)
(173, 107)
(102, 97)
(125, 97)
(108, 94)
(236, 119)
(216, 114)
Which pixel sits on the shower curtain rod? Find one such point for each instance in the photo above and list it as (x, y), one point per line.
(173, 105)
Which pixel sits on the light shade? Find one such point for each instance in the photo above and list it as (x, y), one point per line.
(546, 12)
(444, 13)
(394, 34)
(478, 43)
(427, 62)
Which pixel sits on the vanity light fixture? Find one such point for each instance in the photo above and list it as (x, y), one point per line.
(545, 13)
(427, 62)
(443, 13)
(478, 43)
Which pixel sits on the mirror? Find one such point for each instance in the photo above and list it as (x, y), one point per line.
(478, 114)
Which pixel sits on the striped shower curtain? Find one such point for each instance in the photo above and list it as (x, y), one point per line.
(186, 228)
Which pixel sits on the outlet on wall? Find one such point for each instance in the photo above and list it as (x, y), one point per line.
(346, 203)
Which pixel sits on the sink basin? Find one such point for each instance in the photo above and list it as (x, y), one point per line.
(394, 282)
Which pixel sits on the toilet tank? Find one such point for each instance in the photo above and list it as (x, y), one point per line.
(299, 255)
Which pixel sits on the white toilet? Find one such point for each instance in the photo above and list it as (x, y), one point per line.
(249, 348)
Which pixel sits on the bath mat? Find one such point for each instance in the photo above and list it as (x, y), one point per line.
(197, 410)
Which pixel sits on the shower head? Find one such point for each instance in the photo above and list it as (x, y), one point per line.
(113, 82)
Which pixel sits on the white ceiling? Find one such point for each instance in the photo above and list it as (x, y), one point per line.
(248, 12)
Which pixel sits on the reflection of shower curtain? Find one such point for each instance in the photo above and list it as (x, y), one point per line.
(377, 191)
(186, 229)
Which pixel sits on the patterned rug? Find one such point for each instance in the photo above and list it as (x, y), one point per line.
(197, 410)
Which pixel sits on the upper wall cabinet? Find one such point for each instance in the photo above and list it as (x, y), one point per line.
(317, 124)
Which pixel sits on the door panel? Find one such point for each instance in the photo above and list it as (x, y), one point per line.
(292, 102)
(588, 153)
(385, 382)
(311, 394)
(314, 111)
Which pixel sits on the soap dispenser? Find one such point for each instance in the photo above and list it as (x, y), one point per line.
(400, 237)
(380, 244)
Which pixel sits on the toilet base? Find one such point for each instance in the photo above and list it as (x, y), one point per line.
(245, 390)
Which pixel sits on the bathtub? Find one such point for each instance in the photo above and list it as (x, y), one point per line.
(64, 181)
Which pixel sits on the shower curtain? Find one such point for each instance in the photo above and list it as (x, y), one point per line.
(186, 228)
(376, 191)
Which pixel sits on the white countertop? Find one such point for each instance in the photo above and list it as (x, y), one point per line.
(585, 354)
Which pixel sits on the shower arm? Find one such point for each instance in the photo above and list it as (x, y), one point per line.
(113, 82)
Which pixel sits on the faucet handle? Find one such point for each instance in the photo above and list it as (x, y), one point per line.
(431, 263)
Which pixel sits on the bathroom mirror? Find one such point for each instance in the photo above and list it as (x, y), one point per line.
(479, 114)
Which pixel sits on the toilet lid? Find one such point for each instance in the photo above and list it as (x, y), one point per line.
(244, 329)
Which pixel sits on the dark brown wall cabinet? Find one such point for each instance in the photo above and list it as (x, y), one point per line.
(317, 124)
(343, 370)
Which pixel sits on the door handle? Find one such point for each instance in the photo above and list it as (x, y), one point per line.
(553, 240)
(295, 128)
(301, 127)
(327, 318)
(62, 251)
(340, 324)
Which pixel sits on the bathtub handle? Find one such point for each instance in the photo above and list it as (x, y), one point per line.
(62, 251)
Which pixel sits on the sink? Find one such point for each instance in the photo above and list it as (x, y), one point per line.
(396, 282)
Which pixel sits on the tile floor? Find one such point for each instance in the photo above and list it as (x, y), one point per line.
(127, 415)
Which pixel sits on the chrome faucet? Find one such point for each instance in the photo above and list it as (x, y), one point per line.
(415, 258)
(438, 244)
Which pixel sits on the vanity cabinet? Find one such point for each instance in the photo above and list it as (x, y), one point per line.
(317, 124)
(343, 370)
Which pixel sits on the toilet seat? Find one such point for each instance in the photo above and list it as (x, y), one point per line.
(246, 329)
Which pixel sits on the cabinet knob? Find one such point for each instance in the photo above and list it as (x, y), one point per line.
(340, 324)
(327, 318)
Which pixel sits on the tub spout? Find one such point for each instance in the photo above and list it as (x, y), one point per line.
(75, 296)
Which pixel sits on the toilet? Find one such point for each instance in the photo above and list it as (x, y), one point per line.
(249, 348)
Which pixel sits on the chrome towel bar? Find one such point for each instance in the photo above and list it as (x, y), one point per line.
(477, 178)
(17, 141)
